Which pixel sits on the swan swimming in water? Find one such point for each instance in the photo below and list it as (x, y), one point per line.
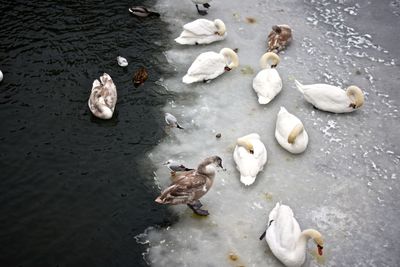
(250, 156)
(285, 239)
(202, 31)
(189, 186)
(267, 83)
(141, 11)
(332, 98)
(210, 65)
(103, 97)
(290, 132)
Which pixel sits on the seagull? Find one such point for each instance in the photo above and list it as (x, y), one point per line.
(174, 166)
(172, 121)
(122, 61)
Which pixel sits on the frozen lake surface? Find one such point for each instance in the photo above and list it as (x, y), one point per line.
(346, 184)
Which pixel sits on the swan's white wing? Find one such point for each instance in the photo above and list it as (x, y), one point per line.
(287, 230)
(206, 66)
(267, 85)
(327, 97)
(201, 27)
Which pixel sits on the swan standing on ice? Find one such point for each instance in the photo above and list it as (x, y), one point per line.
(267, 83)
(205, 4)
(122, 61)
(202, 31)
(285, 239)
(290, 132)
(190, 186)
(210, 65)
(250, 155)
(103, 97)
(332, 98)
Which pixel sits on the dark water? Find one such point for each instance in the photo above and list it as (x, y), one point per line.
(75, 190)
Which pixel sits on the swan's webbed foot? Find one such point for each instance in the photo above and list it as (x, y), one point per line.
(206, 5)
(196, 208)
(201, 12)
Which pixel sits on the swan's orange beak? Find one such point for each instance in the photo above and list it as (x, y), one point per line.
(320, 250)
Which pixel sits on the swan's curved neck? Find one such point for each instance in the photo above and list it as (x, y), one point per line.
(104, 110)
(295, 132)
(230, 55)
(301, 243)
(245, 143)
(269, 57)
(357, 96)
(220, 25)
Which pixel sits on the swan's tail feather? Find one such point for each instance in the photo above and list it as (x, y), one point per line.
(299, 86)
(247, 180)
(263, 100)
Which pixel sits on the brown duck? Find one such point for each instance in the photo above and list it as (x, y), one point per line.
(279, 38)
(189, 186)
(140, 77)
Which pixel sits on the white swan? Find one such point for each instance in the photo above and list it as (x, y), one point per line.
(290, 132)
(202, 31)
(210, 65)
(285, 239)
(267, 83)
(103, 97)
(250, 156)
(331, 98)
(1, 75)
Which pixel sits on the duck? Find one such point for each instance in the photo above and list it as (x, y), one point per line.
(202, 31)
(279, 38)
(141, 11)
(122, 61)
(290, 132)
(1, 76)
(103, 97)
(332, 98)
(285, 238)
(139, 77)
(210, 65)
(172, 121)
(188, 187)
(250, 156)
(205, 4)
(267, 83)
